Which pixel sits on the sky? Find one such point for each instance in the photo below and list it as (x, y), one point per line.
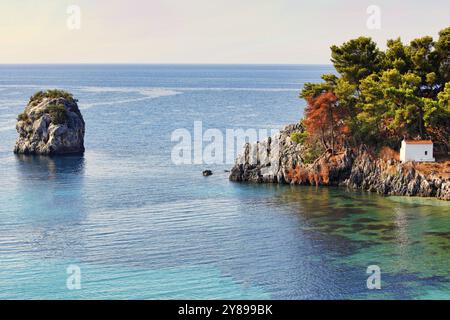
(205, 31)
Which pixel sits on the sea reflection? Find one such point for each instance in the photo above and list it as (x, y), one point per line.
(45, 167)
(48, 204)
(50, 187)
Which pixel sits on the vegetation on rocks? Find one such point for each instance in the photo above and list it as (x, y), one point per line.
(58, 113)
(50, 124)
(299, 137)
(354, 123)
(50, 94)
(379, 97)
(22, 117)
(280, 160)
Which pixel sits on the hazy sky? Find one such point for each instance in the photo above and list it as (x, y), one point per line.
(204, 31)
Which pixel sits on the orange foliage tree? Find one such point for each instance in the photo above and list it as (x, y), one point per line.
(324, 120)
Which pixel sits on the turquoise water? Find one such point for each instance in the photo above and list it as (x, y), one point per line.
(140, 227)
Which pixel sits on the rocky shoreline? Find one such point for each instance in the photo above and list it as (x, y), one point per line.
(278, 159)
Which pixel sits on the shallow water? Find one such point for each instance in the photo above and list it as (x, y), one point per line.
(140, 227)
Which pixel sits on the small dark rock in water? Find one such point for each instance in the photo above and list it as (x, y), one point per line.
(226, 170)
(207, 173)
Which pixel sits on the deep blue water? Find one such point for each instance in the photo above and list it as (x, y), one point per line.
(139, 226)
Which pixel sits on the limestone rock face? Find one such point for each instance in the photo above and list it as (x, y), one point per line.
(50, 125)
(395, 178)
(267, 160)
(280, 160)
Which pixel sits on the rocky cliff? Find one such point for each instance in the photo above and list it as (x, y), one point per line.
(281, 160)
(50, 124)
(394, 178)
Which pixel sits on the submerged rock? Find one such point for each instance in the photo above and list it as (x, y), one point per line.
(50, 124)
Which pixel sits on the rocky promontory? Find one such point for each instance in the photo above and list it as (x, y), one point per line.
(279, 159)
(50, 124)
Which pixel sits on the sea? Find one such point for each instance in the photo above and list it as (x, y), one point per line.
(124, 221)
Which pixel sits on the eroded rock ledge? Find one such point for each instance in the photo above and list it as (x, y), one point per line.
(280, 160)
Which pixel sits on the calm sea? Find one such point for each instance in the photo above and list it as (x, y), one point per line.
(138, 226)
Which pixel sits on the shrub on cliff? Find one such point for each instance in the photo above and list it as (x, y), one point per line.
(58, 113)
(22, 117)
(312, 153)
(50, 94)
(299, 137)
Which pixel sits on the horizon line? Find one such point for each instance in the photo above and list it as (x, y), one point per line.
(165, 63)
